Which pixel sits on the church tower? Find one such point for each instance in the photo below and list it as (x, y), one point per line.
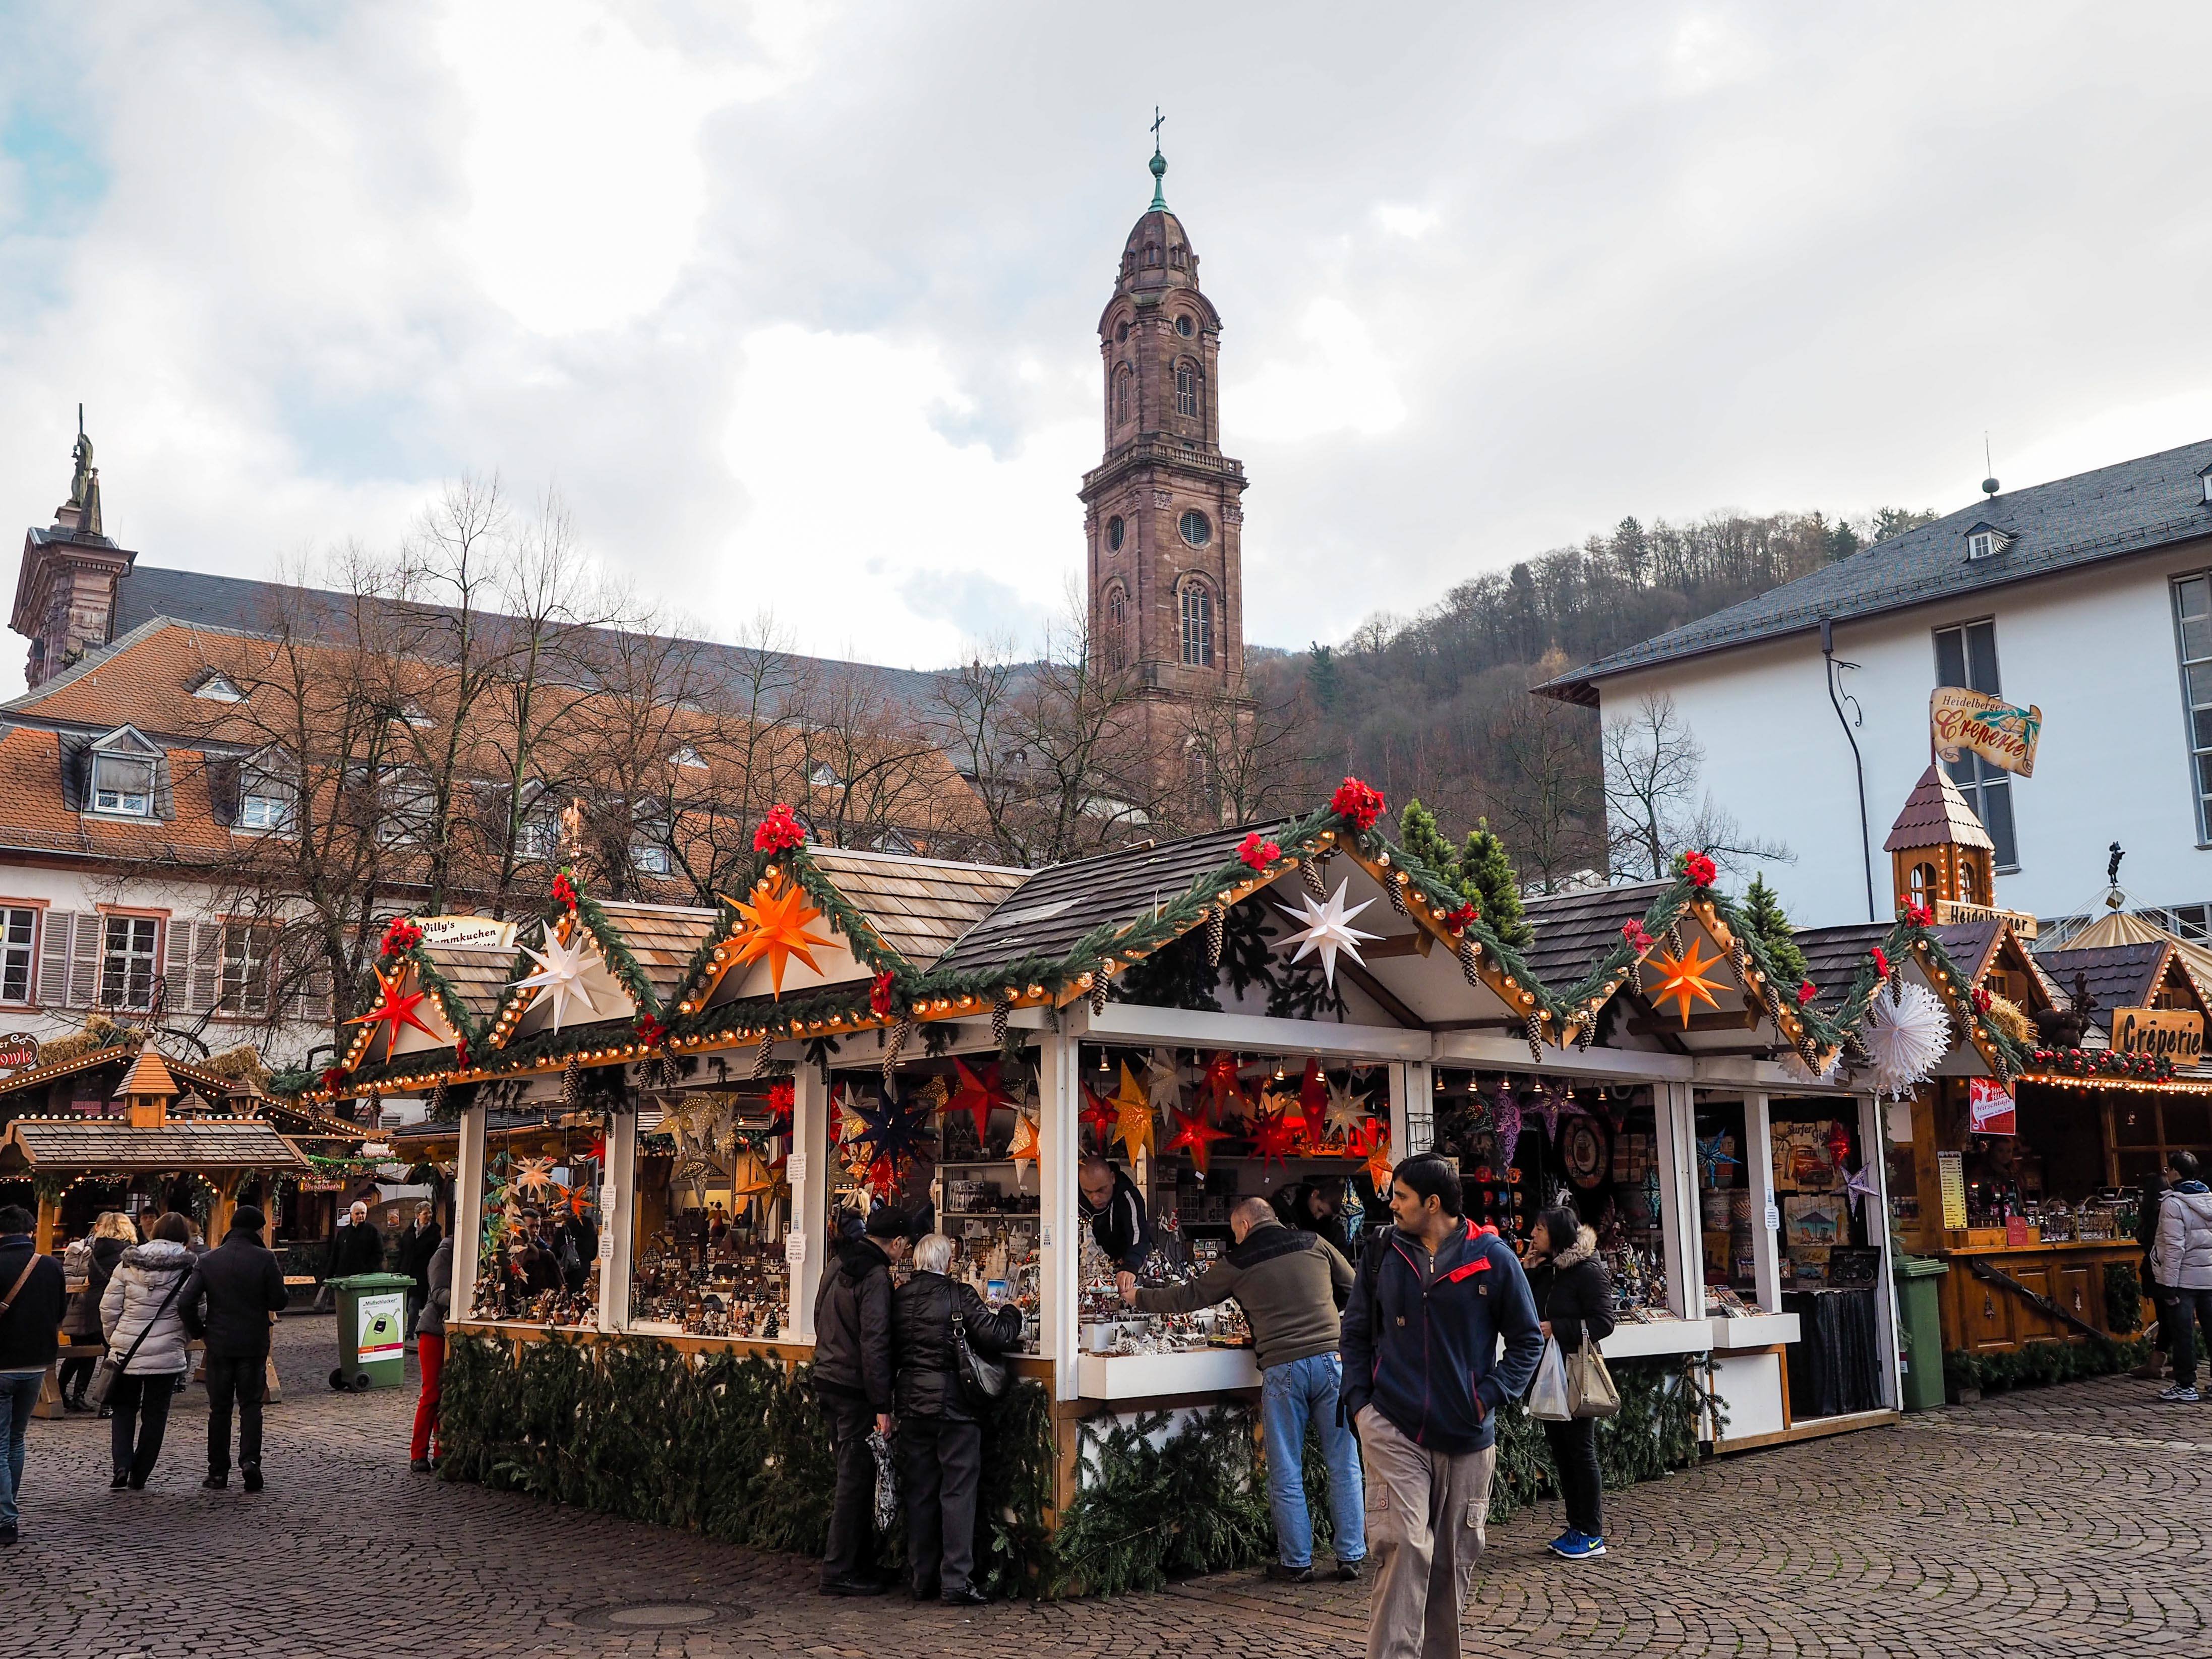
(1161, 511)
(66, 587)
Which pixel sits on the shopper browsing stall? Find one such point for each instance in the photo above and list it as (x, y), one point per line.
(852, 1379)
(1290, 1285)
(1575, 1304)
(2181, 1262)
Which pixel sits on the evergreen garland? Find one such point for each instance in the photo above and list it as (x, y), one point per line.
(1153, 1507)
(2038, 1364)
(2123, 1298)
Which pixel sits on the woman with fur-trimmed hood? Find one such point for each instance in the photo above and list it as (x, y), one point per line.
(139, 1301)
(1575, 1302)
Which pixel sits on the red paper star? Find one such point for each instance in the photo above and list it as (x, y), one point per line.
(1195, 1135)
(1375, 1141)
(1313, 1094)
(395, 1011)
(1272, 1138)
(1099, 1116)
(1222, 1083)
(977, 1096)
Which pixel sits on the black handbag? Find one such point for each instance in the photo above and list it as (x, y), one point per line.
(981, 1381)
(103, 1375)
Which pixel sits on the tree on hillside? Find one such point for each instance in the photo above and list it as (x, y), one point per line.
(1654, 805)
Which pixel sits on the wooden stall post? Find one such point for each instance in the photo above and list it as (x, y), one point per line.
(468, 1210)
(806, 1241)
(224, 1206)
(1758, 1165)
(1872, 1151)
(617, 1225)
(49, 1218)
(1060, 1224)
(1674, 1116)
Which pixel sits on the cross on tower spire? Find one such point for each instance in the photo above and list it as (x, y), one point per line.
(1159, 166)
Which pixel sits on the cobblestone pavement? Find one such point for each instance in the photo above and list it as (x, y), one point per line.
(2060, 1521)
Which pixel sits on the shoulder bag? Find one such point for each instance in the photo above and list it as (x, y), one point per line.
(1590, 1392)
(103, 1375)
(15, 1289)
(981, 1381)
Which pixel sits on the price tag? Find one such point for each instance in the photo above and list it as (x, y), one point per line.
(794, 1248)
(607, 1198)
(607, 1244)
(1046, 1242)
(796, 1168)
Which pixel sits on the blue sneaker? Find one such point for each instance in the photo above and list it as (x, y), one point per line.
(1578, 1547)
(1559, 1545)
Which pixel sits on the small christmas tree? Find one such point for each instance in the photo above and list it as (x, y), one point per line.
(1762, 908)
(1486, 876)
(1418, 835)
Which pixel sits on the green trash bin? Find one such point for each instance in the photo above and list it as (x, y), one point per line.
(372, 1331)
(1920, 1321)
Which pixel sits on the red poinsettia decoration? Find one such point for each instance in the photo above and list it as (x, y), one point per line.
(650, 1031)
(1880, 962)
(1637, 937)
(565, 892)
(1467, 912)
(1982, 999)
(782, 1101)
(1257, 854)
(780, 829)
(1361, 802)
(879, 995)
(332, 1076)
(1806, 993)
(1701, 869)
(399, 934)
(1920, 916)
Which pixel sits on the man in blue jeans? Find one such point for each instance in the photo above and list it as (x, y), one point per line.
(1291, 1285)
(33, 1297)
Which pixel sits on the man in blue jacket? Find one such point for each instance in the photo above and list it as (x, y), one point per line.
(1423, 1382)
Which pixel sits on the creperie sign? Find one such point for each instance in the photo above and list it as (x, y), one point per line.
(2174, 1032)
(2001, 734)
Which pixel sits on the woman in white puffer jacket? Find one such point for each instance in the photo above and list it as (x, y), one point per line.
(135, 1304)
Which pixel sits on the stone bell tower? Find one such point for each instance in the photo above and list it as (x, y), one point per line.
(1162, 512)
(65, 590)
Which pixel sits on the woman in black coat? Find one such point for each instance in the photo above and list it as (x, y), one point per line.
(941, 1443)
(1575, 1302)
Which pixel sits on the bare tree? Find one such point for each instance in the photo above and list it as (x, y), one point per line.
(1546, 804)
(1654, 804)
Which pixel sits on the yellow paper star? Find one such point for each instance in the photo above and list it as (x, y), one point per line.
(1683, 979)
(1132, 1122)
(776, 929)
(1025, 1147)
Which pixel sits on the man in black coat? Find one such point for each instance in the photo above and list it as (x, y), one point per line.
(417, 1246)
(227, 1302)
(357, 1246)
(1112, 1208)
(33, 1296)
(853, 1381)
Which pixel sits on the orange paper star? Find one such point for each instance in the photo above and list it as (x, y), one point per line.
(1683, 979)
(395, 1011)
(1378, 1164)
(776, 929)
(1026, 1147)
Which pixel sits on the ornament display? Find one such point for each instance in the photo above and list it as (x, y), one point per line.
(1273, 1138)
(1505, 1119)
(978, 1094)
(561, 966)
(1163, 1082)
(1026, 1147)
(1905, 1033)
(1195, 1135)
(1861, 1187)
(1684, 978)
(775, 929)
(1326, 929)
(1345, 1111)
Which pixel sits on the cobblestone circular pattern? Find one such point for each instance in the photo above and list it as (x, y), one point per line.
(2066, 1523)
(657, 1615)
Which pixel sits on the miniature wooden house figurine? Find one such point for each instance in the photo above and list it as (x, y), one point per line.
(147, 1091)
(1939, 852)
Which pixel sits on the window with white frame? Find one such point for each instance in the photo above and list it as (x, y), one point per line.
(264, 802)
(1186, 389)
(249, 956)
(123, 784)
(18, 935)
(649, 856)
(2192, 625)
(129, 957)
(405, 806)
(1966, 655)
(219, 688)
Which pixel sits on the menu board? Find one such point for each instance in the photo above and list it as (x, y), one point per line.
(1951, 1177)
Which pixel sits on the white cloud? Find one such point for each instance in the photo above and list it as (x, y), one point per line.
(1341, 381)
(1406, 219)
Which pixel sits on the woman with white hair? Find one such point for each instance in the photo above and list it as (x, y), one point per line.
(940, 1442)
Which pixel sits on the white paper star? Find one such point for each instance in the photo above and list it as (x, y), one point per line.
(1328, 929)
(1163, 1082)
(1347, 1112)
(560, 976)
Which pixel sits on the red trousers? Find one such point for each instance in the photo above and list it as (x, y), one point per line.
(431, 1351)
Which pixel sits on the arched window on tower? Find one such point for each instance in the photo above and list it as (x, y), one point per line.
(1125, 385)
(1186, 396)
(1117, 627)
(1197, 625)
(1924, 884)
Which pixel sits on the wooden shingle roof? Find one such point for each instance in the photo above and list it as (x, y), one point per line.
(2117, 976)
(1936, 814)
(1573, 930)
(663, 938)
(57, 1145)
(918, 907)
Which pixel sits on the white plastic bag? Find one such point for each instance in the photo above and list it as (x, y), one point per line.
(1548, 1394)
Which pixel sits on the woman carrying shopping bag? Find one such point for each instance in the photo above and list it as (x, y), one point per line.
(1575, 1304)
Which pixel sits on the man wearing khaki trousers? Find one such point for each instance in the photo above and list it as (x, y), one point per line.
(1423, 1382)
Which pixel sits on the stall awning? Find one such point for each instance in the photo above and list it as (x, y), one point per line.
(62, 1146)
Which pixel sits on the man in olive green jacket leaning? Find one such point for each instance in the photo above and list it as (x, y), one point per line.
(1291, 1285)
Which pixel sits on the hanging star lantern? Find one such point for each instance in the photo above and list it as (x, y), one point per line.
(1326, 929)
(1025, 1147)
(1274, 1137)
(1505, 1119)
(534, 1175)
(751, 1178)
(1133, 1117)
(1313, 1097)
(572, 1201)
(1163, 1082)
(1375, 1142)
(1684, 978)
(1098, 1115)
(890, 1132)
(775, 929)
(1861, 1187)
(1195, 1135)
(561, 966)
(979, 1093)
(394, 1010)
(1710, 1157)
(1839, 1143)
(1552, 1104)
(1223, 1083)
(1346, 1110)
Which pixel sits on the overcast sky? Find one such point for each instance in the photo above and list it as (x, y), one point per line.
(794, 304)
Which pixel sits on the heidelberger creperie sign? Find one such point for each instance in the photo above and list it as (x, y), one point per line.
(2000, 732)
(2174, 1032)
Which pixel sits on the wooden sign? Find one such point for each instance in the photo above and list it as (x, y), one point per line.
(19, 1052)
(2174, 1032)
(466, 933)
(2000, 733)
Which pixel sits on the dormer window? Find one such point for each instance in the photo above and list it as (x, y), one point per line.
(686, 756)
(219, 688)
(823, 775)
(2204, 478)
(1986, 541)
(123, 784)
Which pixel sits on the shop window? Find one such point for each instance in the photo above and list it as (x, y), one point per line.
(1726, 1204)
(538, 1262)
(128, 962)
(1967, 656)
(19, 931)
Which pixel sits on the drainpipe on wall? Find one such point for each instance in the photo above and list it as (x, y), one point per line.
(1858, 763)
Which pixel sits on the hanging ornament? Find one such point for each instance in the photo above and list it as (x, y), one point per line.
(1394, 890)
(1328, 929)
(1132, 1122)
(1163, 1082)
(1551, 1103)
(1859, 1187)
(1345, 1111)
(890, 1132)
(394, 1010)
(1098, 987)
(1273, 1138)
(561, 966)
(1711, 1157)
(1025, 1147)
(782, 1102)
(900, 1033)
(533, 1175)
(751, 1178)
(978, 1094)
(1905, 1035)
(1375, 1142)
(775, 928)
(1683, 976)
(572, 1086)
(1000, 1009)
(1310, 873)
(1470, 959)
(1217, 934)
(1800, 1063)
(1839, 1143)
(1223, 1084)
(1505, 1119)
(1313, 1097)
(1195, 1135)
(1098, 1115)
(1533, 1030)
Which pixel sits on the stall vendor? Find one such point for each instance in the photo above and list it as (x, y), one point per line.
(1109, 1201)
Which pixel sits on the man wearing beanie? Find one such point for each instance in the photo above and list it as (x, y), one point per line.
(230, 1301)
(853, 1383)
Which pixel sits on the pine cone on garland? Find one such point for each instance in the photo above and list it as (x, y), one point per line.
(1537, 1037)
(1395, 892)
(1470, 956)
(1000, 1010)
(900, 1033)
(1098, 987)
(1217, 934)
(572, 1087)
(764, 1055)
(1309, 872)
